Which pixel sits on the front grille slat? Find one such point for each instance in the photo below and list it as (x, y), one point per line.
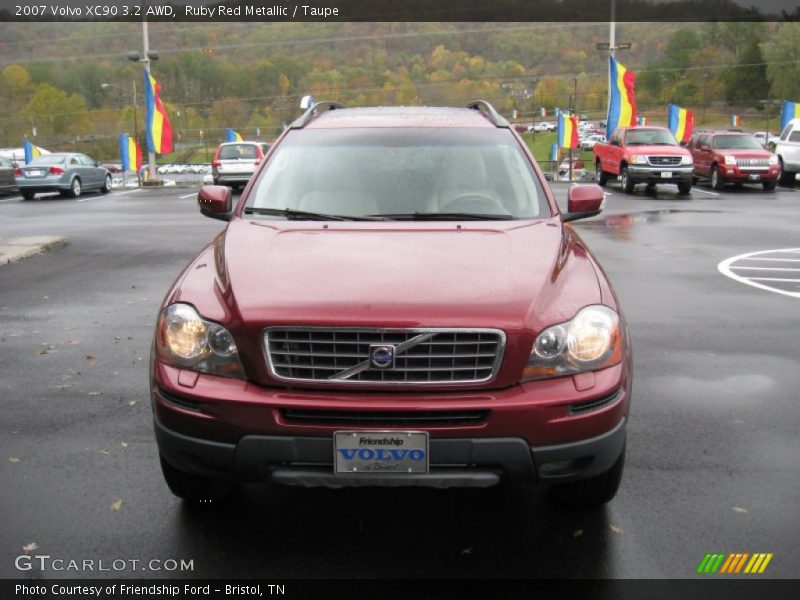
(315, 354)
(664, 161)
(385, 418)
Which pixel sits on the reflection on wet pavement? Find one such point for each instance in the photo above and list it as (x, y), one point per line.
(618, 226)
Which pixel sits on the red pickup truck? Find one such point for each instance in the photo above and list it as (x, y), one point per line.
(648, 155)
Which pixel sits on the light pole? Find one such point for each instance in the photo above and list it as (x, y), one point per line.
(146, 57)
(135, 120)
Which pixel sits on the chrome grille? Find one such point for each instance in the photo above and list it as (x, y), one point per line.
(753, 162)
(422, 356)
(664, 161)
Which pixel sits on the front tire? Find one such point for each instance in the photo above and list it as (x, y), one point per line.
(769, 186)
(625, 181)
(194, 488)
(591, 492)
(27, 195)
(786, 179)
(602, 176)
(75, 188)
(684, 187)
(106, 185)
(717, 181)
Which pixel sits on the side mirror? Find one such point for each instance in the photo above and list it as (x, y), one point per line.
(215, 201)
(583, 201)
(704, 147)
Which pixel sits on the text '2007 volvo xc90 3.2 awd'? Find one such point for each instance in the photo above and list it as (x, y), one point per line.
(396, 301)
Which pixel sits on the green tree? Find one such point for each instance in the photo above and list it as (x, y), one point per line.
(782, 52)
(746, 83)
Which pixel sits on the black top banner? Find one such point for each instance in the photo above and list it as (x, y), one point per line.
(400, 10)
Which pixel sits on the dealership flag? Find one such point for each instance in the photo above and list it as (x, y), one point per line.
(680, 122)
(232, 136)
(622, 97)
(791, 110)
(159, 130)
(31, 151)
(736, 121)
(554, 152)
(130, 153)
(567, 130)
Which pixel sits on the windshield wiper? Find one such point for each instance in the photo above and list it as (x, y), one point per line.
(290, 213)
(453, 216)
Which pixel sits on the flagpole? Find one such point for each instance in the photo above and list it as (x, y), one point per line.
(136, 134)
(151, 155)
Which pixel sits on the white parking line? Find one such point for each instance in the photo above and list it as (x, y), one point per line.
(773, 259)
(88, 198)
(11, 199)
(188, 195)
(696, 189)
(727, 268)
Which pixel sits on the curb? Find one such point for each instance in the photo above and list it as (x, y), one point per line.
(13, 249)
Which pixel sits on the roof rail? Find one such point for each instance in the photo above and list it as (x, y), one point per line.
(486, 109)
(313, 111)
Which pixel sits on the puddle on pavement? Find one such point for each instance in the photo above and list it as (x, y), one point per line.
(619, 225)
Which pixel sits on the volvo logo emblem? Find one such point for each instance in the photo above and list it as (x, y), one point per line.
(381, 356)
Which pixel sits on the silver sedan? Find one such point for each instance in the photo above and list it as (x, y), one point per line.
(69, 173)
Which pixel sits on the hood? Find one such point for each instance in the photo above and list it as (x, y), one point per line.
(659, 150)
(509, 275)
(744, 152)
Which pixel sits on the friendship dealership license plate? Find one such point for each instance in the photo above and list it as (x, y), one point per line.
(380, 452)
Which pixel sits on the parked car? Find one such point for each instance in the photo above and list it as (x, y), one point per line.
(69, 173)
(373, 315)
(644, 154)
(589, 142)
(113, 167)
(787, 149)
(235, 162)
(732, 157)
(766, 139)
(165, 169)
(8, 183)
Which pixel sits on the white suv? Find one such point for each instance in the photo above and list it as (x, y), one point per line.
(235, 162)
(788, 150)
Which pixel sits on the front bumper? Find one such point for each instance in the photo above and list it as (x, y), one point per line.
(745, 174)
(551, 430)
(463, 462)
(652, 175)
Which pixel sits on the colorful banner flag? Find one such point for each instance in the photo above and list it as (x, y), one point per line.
(567, 136)
(680, 122)
(232, 136)
(543, 112)
(622, 99)
(641, 120)
(791, 110)
(159, 130)
(736, 121)
(554, 152)
(31, 151)
(130, 153)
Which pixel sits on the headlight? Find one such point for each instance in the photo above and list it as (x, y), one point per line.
(687, 160)
(730, 160)
(639, 160)
(773, 160)
(184, 339)
(592, 340)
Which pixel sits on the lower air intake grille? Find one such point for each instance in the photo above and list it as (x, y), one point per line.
(385, 418)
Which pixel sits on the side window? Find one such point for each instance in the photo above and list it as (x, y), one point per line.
(703, 139)
(74, 161)
(86, 160)
(4, 163)
(795, 136)
(785, 132)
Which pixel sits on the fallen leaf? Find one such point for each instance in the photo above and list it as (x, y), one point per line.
(466, 551)
(30, 547)
(116, 505)
(739, 509)
(73, 342)
(124, 444)
(45, 297)
(132, 402)
(104, 451)
(577, 533)
(13, 459)
(95, 393)
(615, 529)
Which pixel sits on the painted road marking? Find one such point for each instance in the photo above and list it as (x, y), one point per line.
(188, 195)
(87, 198)
(11, 199)
(696, 189)
(764, 277)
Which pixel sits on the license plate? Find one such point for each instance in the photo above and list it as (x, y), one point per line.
(755, 177)
(380, 452)
(666, 174)
(34, 173)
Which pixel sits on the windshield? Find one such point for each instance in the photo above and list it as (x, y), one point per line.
(400, 172)
(654, 137)
(737, 142)
(48, 159)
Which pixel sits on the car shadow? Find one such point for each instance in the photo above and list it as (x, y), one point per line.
(393, 533)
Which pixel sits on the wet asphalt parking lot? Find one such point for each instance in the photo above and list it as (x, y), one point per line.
(713, 446)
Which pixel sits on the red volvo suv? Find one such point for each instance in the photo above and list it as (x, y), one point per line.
(396, 300)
